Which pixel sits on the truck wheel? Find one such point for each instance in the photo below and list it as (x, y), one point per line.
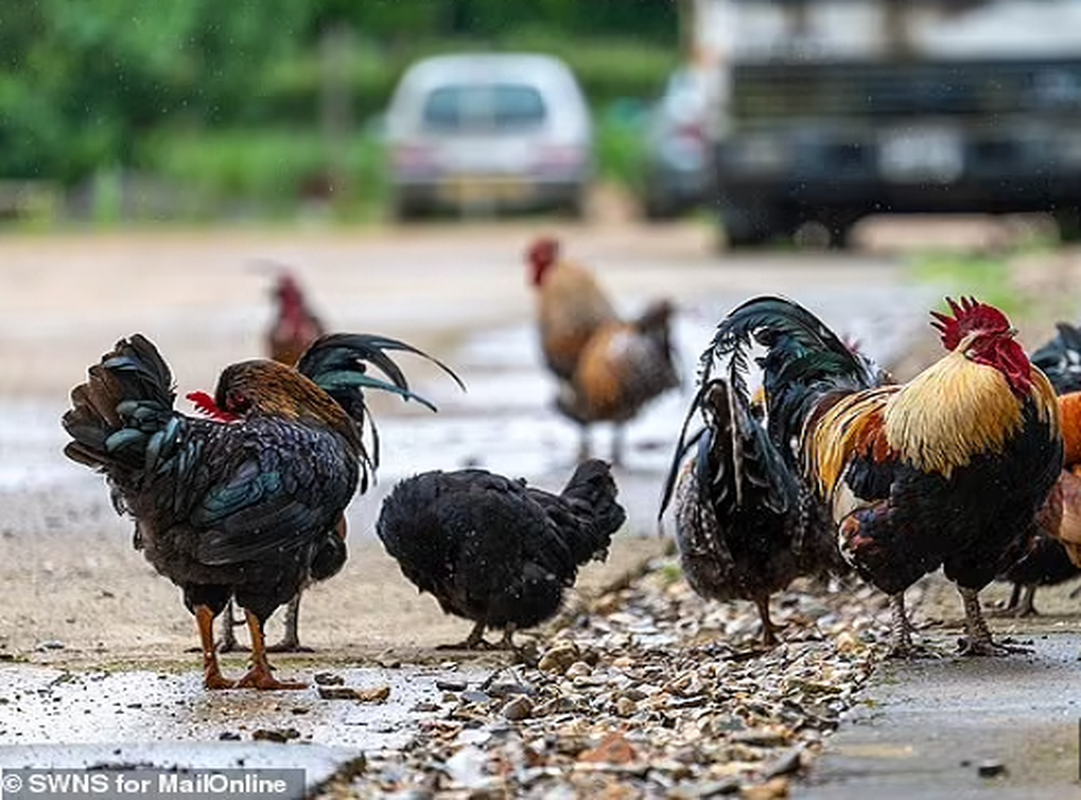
(1068, 219)
(748, 228)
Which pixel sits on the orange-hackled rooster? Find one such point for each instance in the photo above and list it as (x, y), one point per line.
(248, 504)
(608, 368)
(1044, 560)
(947, 470)
(1060, 517)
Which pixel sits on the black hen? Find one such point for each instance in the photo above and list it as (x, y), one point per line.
(495, 550)
(1060, 359)
(744, 526)
(248, 504)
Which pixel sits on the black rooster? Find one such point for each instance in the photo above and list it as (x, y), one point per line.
(745, 527)
(495, 550)
(248, 504)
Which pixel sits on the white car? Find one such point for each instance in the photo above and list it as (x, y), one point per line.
(489, 131)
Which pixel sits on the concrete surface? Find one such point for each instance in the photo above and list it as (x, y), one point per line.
(927, 728)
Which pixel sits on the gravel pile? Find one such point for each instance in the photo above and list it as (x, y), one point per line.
(647, 691)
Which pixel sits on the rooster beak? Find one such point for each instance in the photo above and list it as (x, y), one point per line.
(1012, 333)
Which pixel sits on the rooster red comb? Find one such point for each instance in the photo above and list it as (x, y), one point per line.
(968, 315)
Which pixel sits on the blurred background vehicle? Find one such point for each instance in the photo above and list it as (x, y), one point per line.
(677, 170)
(830, 111)
(482, 132)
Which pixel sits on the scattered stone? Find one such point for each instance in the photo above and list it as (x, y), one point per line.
(50, 644)
(666, 695)
(328, 679)
(991, 769)
(559, 657)
(229, 736)
(770, 790)
(375, 694)
(279, 735)
(521, 707)
(613, 749)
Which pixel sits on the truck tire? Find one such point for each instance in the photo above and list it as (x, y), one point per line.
(750, 227)
(1068, 219)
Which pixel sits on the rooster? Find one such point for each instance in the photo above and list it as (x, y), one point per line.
(295, 325)
(1044, 560)
(608, 368)
(294, 329)
(745, 527)
(947, 470)
(571, 307)
(249, 503)
(494, 550)
(1058, 525)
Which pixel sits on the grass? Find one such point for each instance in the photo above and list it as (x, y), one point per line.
(986, 277)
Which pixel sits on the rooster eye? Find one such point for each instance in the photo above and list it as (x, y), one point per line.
(237, 403)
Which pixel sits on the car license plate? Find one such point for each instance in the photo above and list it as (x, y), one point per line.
(473, 191)
(921, 154)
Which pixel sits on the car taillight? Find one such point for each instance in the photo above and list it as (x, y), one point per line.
(410, 157)
(689, 130)
(560, 156)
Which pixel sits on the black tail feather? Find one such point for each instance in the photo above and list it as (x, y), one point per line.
(803, 359)
(127, 398)
(338, 363)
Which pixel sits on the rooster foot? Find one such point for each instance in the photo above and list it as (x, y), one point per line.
(261, 679)
(289, 646)
(469, 644)
(909, 651)
(232, 647)
(967, 646)
(215, 682)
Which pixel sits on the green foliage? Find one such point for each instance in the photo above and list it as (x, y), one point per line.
(986, 277)
(266, 169)
(90, 91)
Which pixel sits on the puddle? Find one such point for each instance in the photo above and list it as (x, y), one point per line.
(40, 705)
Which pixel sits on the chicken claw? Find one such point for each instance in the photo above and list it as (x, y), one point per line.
(978, 641)
(260, 675)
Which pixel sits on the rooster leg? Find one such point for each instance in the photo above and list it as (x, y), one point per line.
(617, 445)
(900, 628)
(977, 641)
(1027, 607)
(769, 632)
(228, 643)
(260, 675)
(212, 677)
(507, 642)
(585, 445)
(290, 641)
(474, 641)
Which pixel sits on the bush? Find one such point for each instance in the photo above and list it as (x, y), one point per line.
(266, 170)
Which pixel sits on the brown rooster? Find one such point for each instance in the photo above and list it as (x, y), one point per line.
(608, 368)
(248, 504)
(294, 329)
(295, 326)
(947, 470)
